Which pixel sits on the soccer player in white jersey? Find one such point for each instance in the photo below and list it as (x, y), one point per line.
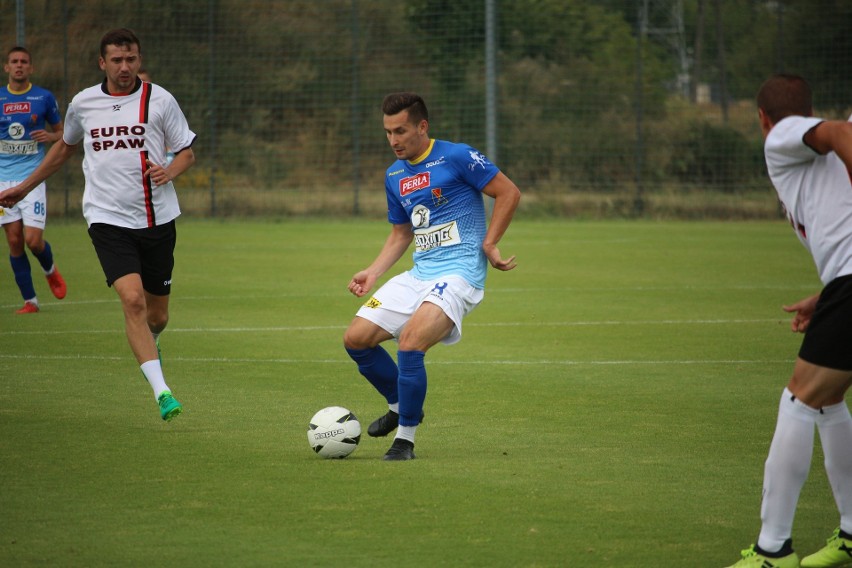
(809, 162)
(435, 198)
(26, 109)
(130, 203)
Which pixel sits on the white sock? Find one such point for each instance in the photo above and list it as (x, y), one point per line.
(786, 470)
(394, 407)
(33, 301)
(154, 373)
(406, 433)
(835, 434)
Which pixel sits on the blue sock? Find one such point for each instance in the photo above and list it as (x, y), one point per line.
(379, 368)
(45, 257)
(412, 386)
(23, 275)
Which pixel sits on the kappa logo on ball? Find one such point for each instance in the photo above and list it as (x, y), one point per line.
(414, 183)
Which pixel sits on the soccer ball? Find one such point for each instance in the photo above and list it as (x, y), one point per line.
(334, 432)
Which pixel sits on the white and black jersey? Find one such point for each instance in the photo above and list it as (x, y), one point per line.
(816, 192)
(120, 133)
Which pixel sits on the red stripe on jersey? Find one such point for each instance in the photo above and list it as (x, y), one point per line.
(147, 190)
(144, 102)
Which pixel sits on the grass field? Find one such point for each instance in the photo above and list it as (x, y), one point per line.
(611, 404)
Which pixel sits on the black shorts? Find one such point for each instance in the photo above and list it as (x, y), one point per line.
(828, 339)
(147, 252)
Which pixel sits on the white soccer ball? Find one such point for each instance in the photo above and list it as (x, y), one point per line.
(334, 432)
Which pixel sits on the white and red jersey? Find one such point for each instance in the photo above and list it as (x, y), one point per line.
(119, 134)
(816, 191)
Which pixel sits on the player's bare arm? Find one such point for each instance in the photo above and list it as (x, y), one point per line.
(45, 136)
(506, 197)
(53, 160)
(395, 246)
(803, 309)
(182, 161)
(832, 136)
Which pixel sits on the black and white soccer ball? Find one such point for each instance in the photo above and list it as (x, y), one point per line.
(334, 432)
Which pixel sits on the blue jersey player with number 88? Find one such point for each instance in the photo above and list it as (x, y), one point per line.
(25, 110)
(435, 199)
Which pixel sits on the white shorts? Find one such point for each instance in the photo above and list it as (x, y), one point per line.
(32, 208)
(394, 303)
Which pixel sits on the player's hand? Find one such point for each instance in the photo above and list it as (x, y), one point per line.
(361, 283)
(804, 309)
(40, 136)
(11, 196)
(157, 173)
(494, 258)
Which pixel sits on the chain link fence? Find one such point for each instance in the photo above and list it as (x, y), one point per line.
(593, 107)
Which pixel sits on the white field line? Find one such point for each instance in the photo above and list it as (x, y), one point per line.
(341, 361)
(289, 328)
(54, 304)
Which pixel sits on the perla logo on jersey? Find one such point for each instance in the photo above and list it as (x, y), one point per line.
(117, 137)
(414, 183)
(16, 108)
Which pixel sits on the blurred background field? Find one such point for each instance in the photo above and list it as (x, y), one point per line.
(595, 108)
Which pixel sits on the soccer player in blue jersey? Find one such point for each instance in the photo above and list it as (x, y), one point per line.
(435, 199)
(26, 108)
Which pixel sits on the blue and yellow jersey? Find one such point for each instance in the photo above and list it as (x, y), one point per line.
(20, 114)
(440, 194)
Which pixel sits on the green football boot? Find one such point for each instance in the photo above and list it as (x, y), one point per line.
(169, 406)
(753, 559)
(836, 552)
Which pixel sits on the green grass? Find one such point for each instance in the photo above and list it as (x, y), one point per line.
(611, 404)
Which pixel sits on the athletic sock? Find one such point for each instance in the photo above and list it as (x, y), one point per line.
(412, 386)
(23, 276)
(379, 368)
(786, 470)
(154, 374)
(835, 433)
(406, 433)
(45, 258)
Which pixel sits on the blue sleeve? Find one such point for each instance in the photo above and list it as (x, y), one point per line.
(396, 212)
(52, 116)
(473, 167)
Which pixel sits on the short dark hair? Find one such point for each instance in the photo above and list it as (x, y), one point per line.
(121, 37)
(395, 103)
(19, 49)
(785, 95)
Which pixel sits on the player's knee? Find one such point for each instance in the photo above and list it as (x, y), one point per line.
(35, 244)
(157, 322)
(352, 340)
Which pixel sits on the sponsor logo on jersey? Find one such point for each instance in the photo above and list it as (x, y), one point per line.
(438, 198)
(16, 131)
(477, 160)
(118, 137)
(434, 163)
(395, 173)
(413, 183)
(17, 107)
(445, 235)
(420, 216)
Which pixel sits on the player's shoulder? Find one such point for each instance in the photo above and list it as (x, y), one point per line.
(38, 90)
(791, 130)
